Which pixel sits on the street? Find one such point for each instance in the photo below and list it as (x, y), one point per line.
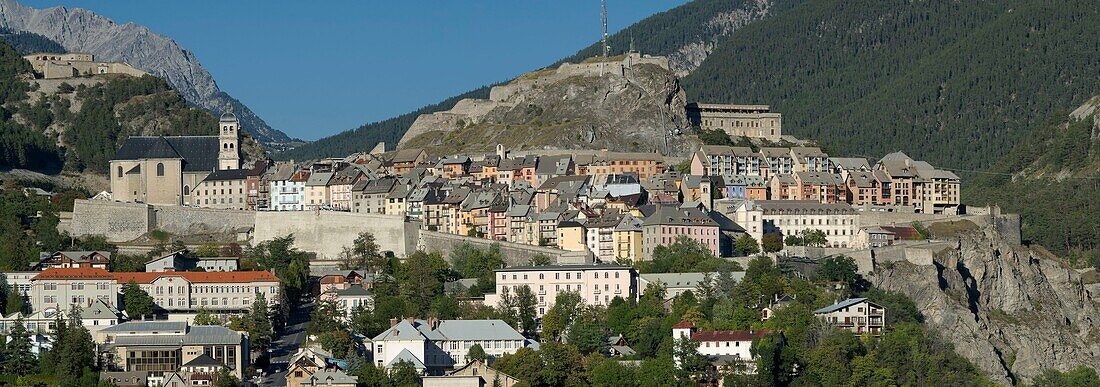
(286, 344)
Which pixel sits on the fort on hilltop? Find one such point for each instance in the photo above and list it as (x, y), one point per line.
(51, 66)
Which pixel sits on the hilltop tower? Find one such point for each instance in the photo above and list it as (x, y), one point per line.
(229, 140)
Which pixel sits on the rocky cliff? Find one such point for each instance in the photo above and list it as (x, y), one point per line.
(1010, 309)
(84, 31)
(626, 103)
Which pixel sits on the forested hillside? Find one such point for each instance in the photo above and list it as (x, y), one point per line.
(955, 83)
(79, 128)
(29, 42)
(1053, 181)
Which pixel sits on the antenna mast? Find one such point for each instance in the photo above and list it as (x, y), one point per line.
(606, 48)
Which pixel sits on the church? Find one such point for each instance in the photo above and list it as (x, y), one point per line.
(164, 170)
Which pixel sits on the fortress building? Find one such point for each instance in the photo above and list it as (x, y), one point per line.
(49, 65)
(755, 121)
(165, 170)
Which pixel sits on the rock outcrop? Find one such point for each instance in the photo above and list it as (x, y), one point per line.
(81, 30)
(625, 103)
(1009, 309)
(689, 56)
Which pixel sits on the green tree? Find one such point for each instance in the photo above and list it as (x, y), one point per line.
(560, 316)
(476, 353)
(686, 255)
(1082, 376)
(691, 362)
(226, 379)
(587, 334)
(540, 260)
(421, 278)
(793, 240)
(364, 254)
(16, 302)
(815, 238)
(839, 269)
(18, 359)
(774, 360)
(561, 364)
(525, 364)
(746, 245)
(772, 242)
(525, 304)
(77, 353)
(259, 324)
(204, 317)
(403, 374)
(137, 302)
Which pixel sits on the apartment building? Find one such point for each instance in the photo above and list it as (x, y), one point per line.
(370, 196)
(858, 315)
(597, 284)
(838, 221)
(822, 187)
(919, 184)
(719, 160)
(288, 193)
(643, 165)
(756, 121)
(317, 194)
(809, 159)
(669, 222)
(172, 292)
(224, 189)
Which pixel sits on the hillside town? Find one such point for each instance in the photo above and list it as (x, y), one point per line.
(615, 211)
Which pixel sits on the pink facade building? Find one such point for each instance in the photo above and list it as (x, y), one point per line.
(596, 284)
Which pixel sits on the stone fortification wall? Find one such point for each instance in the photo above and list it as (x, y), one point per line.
(326, 232)
(189, 220)
(883, 218)
(118, 222)
(514, 253)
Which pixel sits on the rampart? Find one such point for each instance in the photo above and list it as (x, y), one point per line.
(327, 233)
(118, 222)
(514, 253)
(189, 220)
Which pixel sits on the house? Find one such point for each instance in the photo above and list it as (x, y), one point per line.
(96, 316)
(165, 170)
(73, 259)
(434, 346)
(571, 236)
(166, 346)
(370, 196)
(721, 347)
(350, 299)
(676, 284)
(317, 194)
(873, 237)
(257, 191)
(628, 239)
(777, 304)
(309, 362)
(744, 187)
(289, 194)
(340, 187)
(405, 159)
(474, 374)
(597, 284)
(858, 315)
(617, 346)
(331, 378)
(868, 188)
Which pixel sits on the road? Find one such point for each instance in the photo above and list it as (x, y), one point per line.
(287, 344)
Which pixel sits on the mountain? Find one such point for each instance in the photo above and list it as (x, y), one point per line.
(623, 103)
(685, 34)
(29, 42)
(957, 83)
(75, 125)
(1011, 310)
(80, 30)
(1052, 179)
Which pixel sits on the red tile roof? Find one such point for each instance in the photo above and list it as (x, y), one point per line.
(727, 335)
(144, 278)
(73, 273)
(199, 277)
(683, 325)
(903, 232)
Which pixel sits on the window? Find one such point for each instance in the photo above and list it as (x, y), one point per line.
(160, 169)
(120, 171)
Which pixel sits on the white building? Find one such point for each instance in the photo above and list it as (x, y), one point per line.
(720, 347)
(436, 345)
(839, 221)
(289, 194)
(597, 284)
(858, 315)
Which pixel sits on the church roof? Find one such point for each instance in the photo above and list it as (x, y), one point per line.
(199, 153)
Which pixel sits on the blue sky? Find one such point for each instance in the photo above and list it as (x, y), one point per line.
(313, 69)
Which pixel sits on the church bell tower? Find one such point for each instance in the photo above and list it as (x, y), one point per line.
(229, 154)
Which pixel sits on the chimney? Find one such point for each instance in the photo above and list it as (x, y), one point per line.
(411, 320)
(393, 322)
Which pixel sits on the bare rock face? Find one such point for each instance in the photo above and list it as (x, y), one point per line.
(81, 30)
(628, 105)
(1006, 308)
(689, 56)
